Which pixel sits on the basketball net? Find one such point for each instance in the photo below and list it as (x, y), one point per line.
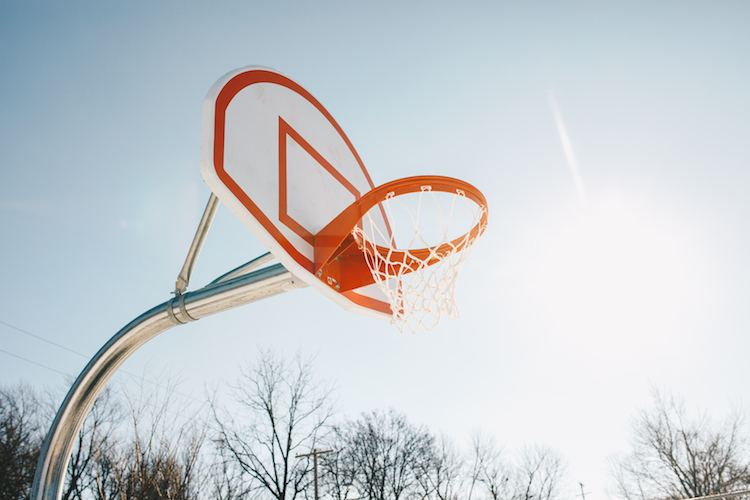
(419, 278)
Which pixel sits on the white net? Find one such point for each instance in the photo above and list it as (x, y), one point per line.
(436, 232)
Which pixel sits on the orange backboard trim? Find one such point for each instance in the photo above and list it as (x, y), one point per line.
(223, 99)
(286, 130)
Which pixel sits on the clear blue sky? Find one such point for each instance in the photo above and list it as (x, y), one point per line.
(619, 264)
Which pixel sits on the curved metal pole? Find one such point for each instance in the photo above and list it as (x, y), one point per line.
(55, 453)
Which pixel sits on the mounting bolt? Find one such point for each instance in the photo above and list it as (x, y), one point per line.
(337, 287)
(320, 273)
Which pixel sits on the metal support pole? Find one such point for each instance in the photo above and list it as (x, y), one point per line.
(58, 445)
(583, 493)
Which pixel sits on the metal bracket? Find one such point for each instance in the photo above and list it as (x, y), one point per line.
(181, 316)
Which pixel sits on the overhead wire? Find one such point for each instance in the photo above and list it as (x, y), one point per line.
(33, 362)
(140, 401)
(43, 339)
(133, 375)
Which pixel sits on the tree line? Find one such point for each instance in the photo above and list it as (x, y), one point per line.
(148, 446)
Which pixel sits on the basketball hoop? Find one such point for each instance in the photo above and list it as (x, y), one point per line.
(402, 236)
(279, 161)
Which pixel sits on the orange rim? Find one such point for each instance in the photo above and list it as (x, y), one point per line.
(334, 242)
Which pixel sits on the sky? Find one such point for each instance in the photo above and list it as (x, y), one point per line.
(610, 140)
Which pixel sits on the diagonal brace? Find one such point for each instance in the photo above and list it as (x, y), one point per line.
(200, 236)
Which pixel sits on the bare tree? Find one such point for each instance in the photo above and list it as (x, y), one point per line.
(282, 412)
(382, 455)
(337, 470)
(225, 480)
(386, 455)
(489, 471)
(25, 416)
(157, 455)
(136, 445)
(442, 476)
(21, 436)
(675, 455)
(536, 473)
(539, 474)
(91, 446)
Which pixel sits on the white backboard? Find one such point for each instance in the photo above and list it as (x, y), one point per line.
(280, 162)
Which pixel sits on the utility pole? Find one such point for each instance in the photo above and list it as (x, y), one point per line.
(583, 494)
(315, 454)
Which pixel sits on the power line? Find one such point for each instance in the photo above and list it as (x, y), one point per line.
(83, 356)
(33, 362)
(43, 339)
(140, 401)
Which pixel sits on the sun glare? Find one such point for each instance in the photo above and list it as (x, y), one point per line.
(613, 264)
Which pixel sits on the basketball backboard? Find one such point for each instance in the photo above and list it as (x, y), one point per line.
(280, 162)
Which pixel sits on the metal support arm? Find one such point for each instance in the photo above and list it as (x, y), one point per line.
(183, 280)
(55, 453)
